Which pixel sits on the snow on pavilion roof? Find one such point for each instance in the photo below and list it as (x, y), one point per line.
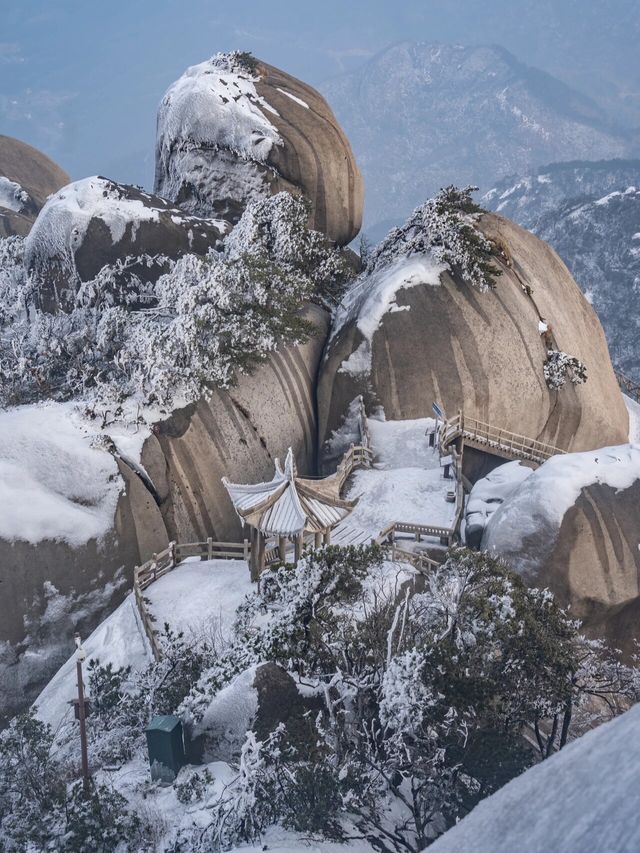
(289, 504)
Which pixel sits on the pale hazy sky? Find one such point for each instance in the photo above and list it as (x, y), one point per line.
(81, 79)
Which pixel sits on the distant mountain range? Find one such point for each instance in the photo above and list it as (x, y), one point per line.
(420, 116)
(590, 214)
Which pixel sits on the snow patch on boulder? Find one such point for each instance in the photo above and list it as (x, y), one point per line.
(542, 500)
(54, 482)
(562, 803)
(229, 716)
(12, 195)
(488, 494)
(374, 294)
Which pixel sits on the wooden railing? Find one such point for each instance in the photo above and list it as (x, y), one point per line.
(495, 439)
(355, 457)
(165, 561)
(630, 387)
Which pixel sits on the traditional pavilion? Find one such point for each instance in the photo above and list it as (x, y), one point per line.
(287, 508)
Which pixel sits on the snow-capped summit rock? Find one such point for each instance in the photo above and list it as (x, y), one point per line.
(233, 129)
(94, 222)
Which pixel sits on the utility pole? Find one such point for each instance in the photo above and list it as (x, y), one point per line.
(80, 656)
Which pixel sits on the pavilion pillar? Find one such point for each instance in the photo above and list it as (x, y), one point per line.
(327, 536)
(317, 539)
(282, 548)
(298, 547)
(261, 551)
(253, 560)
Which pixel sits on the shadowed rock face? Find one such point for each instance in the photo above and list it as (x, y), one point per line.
(238, 434)
(482, 352)
(35, 174)
(590, 560)
(95, 222)
(50, 590)
(205, 165)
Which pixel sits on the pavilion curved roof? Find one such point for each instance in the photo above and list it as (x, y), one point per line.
(289, 504)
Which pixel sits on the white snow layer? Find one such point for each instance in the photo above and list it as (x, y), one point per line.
(581, 799)
(53, 483)
(634, 419)
(118, 640)
(545, 496)
(491, 491)
(216, 104)
(63, 221)
(374, 295)
(405, 483)
(12, 195)
(201, 597)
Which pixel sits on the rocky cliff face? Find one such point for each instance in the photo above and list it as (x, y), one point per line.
(234, 129)
(572, 526)
(27, 177)
(417, 334)
(590, 214)
(236, 433)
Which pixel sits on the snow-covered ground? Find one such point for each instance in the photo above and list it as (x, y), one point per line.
(200, 597)
(406, 482)
(582, 799)
(119, 640)
(634, 419)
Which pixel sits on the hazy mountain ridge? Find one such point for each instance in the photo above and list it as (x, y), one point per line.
(423, 115)
(590, 214)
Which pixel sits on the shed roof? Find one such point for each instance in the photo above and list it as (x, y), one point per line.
(289, 504)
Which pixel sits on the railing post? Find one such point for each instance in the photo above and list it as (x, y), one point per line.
(154, 566)
(172, 553)
(209, 548)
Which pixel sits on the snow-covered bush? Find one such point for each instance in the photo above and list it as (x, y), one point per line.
(560, 366)
(42, 808)
(445, 228)
(203, 321)
(421, 691)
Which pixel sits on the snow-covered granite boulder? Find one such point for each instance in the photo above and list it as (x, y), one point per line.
(259, 699)
(233, 129)
(94, 222)
(75, 520)
(576, 801)
(574, 526)
(487, 495)
(235, 433)
(27, 177)
(413, 332)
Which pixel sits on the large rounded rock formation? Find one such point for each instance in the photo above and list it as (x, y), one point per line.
(94, 222)
(236, 433)
(27, 178)
(414, 332)
(573, 526)
(234, 129)
(79, 511)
